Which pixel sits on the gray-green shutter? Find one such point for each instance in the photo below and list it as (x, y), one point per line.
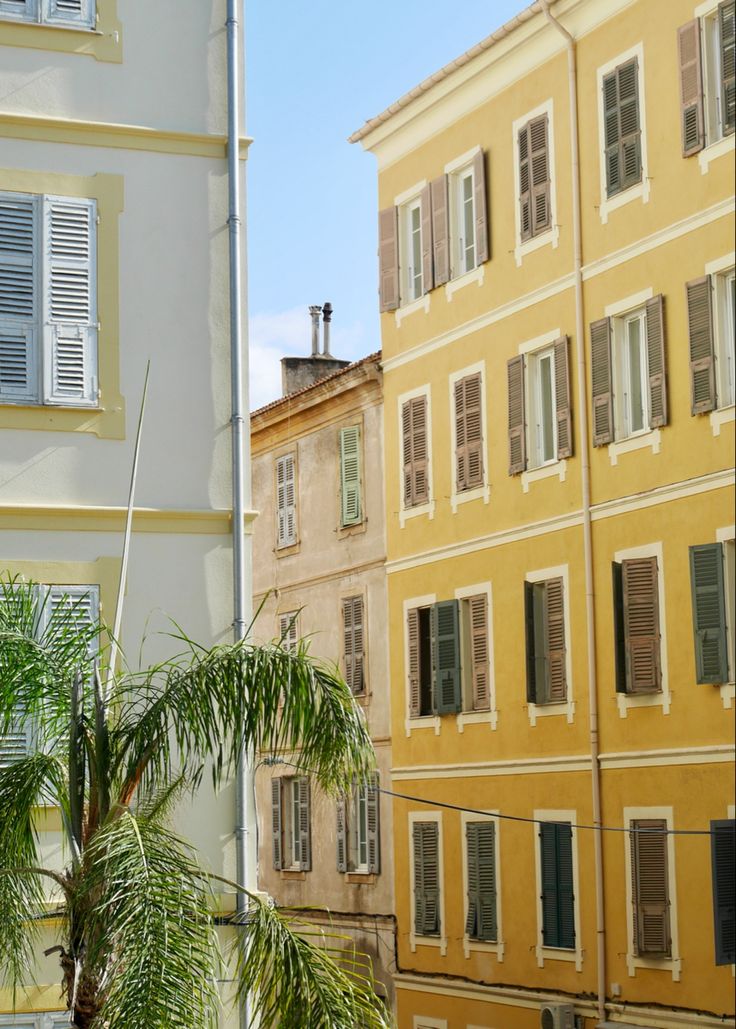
(622, 127)
(481, 922)
(602, 386)
(388, 259)
(276, 823)
(19, 303)
(426, 879)
(305, 827)
(350, 492)
(656, 362)
(373, 820)
(723, 859)
(702, 357)
(728, 69)
(709, 613)
(691, 88)
(446, 659)
(472, 920)
(341, 835)
(517, 416)
(558, 901)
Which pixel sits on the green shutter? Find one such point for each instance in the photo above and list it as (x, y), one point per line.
(426, 879)
(446, 658)
(482, 835)
(558, 901)
(723, 858)
(709, 613)
(351, 509)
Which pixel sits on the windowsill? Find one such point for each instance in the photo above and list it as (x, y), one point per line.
(728, 693)
(484, 947)
(465, 496)
(286, 551)
(412, 512)
(545, 471)
(626, 701)
(363, 698)
(104, 42)
(293, 873)
(423, 722)
(559, 954)
(722, 416)
(422, 304)
(651, 438)
(638, 192)
(477, 275)
(346, 531)
(715, 150)
(361, 878)
(673, 965)
(476, 718)
(549, 236)
(105, 421)
(566, 708)
(428, 941)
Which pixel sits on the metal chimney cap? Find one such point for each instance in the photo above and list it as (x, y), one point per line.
(314, 309)
(327, 311)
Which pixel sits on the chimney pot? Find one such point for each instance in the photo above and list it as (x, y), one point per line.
(314, 312)
(327, 318)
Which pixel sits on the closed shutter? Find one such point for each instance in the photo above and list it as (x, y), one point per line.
(70, 301)
(446, 658)
(342, 835)
(388, 259)
(276, 823)
(425, 207)
(728, 70)
(709, 613)
(440, 230)
(531, 656)
(479, 651)
(286, 500)
(517, 431)
(414, 432)
(555, 639)
(702, 360)
(641, 625)
(600, 348)
(19, 251)
(622, 129)
(540, 181)
(468, 432)
(472, 919)
(304, 828)
(723, 860)
(23, 10)
(558, 900)
(691, 88)
(649, 887)
(288, 634)
(426, 878)
(16, 740)
(351, 507)
(353, 635)
(412, 630)
(480, 206)
(619, 630)
(373, 820)
(18, 373)
(562, 399)
(525, 185)
(656, 361)
(82, 607)
(75, 13)
(481, 923)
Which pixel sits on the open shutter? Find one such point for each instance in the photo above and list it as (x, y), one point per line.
(723, 859)
(480, 205)
(691, 88)
(352, 615)
(656, 361)
(412, 629)
(709, 613)
(461, 457)
(276, 822)
(446, 661)
(305, 828)
(531, 657)
(70, 301)
(472, 920)
(440, 230)
(425, 207)
(555, 639)
(702, 360)
(728, 80)
(19, 251)
(342, 835)
(517, 433)
(15, 744)
(419, 896)
(612, 134)
(74, 13)
(650, 891)
(373, 820)
(350, 493)
(388, 258)
(525, 185)
(641, 622)
(487, 924)
(562, 399)
(540, 181)
(619, 630)
(414, 430)
(479, 651)
(600, 352)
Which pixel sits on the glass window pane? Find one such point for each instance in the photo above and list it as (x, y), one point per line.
(362, 828)
(636, 375)
(547, 441)
(416, 253)
(468, 224)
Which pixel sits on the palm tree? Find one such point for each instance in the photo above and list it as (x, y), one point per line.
(134, 908)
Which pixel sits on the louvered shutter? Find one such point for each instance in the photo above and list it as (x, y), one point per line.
(709, 613)
(517, 419)
(479, 651)
(480, 205)
(446, 658)
(70, 301)
(286, 500)
(562, 399)
(650, 889)
(342, 835)
(540, 180)
(723, 861)
(525, 185)
(622, 129)
(23, 10)
(468, 433)
(700, 329)
(619, 630)
(728, 68)
(565, 891)
(600, 348)
(656, 361)
(558, 901)
(304, 828)
(425, 207)
(691, 88)
(481, 921)
(461, 457)
(353, 635)
(19, 251)
(388, 258)
(16, 740)
(472, 920)
(82, 607)
(373, 822)
(276, 822)
(555, 639)
(288, 634)
(641, 625)
(531, 657)
(412, 630)
(75, 13)
(426, 879)
(350, 492)
(414, 433)
(440, 230)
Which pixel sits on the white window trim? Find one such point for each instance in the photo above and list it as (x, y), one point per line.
(476, 275)
(633, 961)
(727, 690)
(719, 270)
(490, 716)
(483, 946)
(405, 513)
(566, 707)
(414, 939)
(543, 953)
(552, 234)
(483, 491)
(663, 699)
(452, 170)
(422, 303)
(427, 1022)
(405, 243)
(642, 189)
(424, 721)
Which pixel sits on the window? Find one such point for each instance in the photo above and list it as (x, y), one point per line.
(539, 409)
(410, 216)
(546, 656)
(291, 823)
(706, 58)
(64, 13)
(558, 899)
(286, 500)
(534, 178)
(629, 373)
(358, 830)
(723, 860)
(354, 643)
(650, 888)
(351, 501)
(710, 310)
(289, 629)
(622, 128)
(468, 399)
(421, 679)
(711, 567)
(636, 625)
(425, 849)
(414, 431)
(480, 842)
(48, 302)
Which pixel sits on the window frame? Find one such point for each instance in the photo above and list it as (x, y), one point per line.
(550, 235)
(725, 327)
(640, 190)
(623, 379)
(532, 370)
(411, 723)
(458, 220)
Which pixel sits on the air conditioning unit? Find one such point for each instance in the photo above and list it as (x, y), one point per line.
(557, 1016)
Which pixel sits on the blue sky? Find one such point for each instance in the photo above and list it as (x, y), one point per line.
(315, 72)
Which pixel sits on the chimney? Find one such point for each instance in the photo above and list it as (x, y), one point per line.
(314, 314)
(300, 372)
(327, 318)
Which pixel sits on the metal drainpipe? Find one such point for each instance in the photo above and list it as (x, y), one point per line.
(587, 534)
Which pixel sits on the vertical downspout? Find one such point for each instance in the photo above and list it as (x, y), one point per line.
(587, 534)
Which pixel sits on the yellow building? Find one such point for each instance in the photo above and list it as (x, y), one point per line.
(557, 286)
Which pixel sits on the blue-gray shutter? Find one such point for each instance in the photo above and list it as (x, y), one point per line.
(709, 613)
(622, 127)
(78, 14)
(723, 861)
(726, 13)
(425, 840)
(19, 259)
(446, 661)
(558, 901)
(20, 10)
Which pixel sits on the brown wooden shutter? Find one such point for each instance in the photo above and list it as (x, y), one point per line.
(406, 443)
(727, 26)
(440, 230)
(342, 835)
(525, 185)
(412, 629)
(420, 464)
(562, 399)
(702, 361)
(479, 652)
(691, 88)
(540, 180)
(482, 248)
(641, 625)
(461, 457)
(650, 887)
(555, 641)
(425, 207)
(276, 822)
(600, 352)
(517, 419)
(657, 362)
(352, 616)
(388, 258)
(468, 432)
